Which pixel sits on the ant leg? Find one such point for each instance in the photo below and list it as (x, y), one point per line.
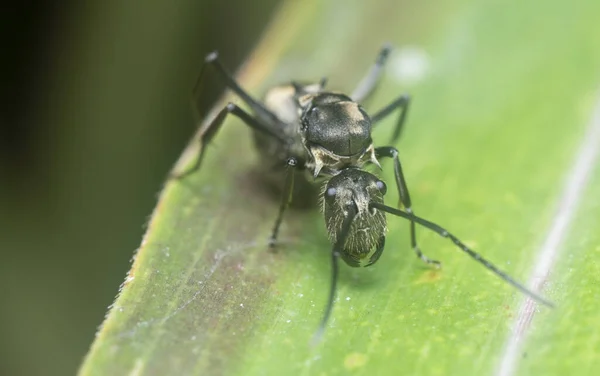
(212, 128)
(391, 152)
(259, 109)
(402, 103)
(476, 256)
(368, 84)
(337, 249)
(286, 198)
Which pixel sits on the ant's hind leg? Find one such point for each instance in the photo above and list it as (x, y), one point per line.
(391, 152)
(266, 122)
(211, 130)
(368, 84)
(402, 103)
(258, 108)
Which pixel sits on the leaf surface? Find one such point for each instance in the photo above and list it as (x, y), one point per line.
(503, 94)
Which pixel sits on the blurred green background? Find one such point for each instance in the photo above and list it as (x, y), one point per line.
(95, 110)
(95, 103)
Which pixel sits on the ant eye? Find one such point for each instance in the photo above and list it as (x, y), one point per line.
(381, 186)
(331, 192)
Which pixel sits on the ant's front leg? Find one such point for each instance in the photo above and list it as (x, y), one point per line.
(391, 152)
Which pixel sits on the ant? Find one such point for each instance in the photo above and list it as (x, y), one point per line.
(328, 135)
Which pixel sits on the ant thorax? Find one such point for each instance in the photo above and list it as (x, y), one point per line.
(335, 131)
(328, 131)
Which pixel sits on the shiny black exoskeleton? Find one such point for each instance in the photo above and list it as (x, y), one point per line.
(328, 135)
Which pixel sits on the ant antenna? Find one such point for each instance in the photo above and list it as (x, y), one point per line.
(444, 233)
(335, 255)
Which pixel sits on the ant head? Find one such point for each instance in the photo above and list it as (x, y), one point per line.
(352, 187)
(335, 123)
(348, 215)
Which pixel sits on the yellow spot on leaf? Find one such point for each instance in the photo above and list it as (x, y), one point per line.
(355, 360)
(429, 277)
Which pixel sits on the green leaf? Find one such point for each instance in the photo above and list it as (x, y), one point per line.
(498, 118)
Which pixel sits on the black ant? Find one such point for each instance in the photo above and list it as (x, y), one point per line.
(328, 134)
